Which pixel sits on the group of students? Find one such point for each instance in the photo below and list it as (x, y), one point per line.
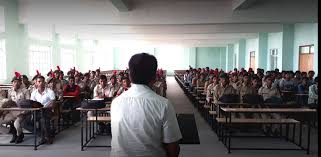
(248, 87)
(270, 86)
(70, 90)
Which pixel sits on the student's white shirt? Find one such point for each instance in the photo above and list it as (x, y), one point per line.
(141, 121)
(47, 96)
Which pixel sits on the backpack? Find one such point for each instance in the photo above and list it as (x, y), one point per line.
(93, 104)
(29, 104)
(252, 99)
(230, 98)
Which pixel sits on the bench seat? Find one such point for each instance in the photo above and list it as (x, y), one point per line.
(258, 121)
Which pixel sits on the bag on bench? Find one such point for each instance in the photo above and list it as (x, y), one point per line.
(253, 99)
(93, 104)
(230, 98)
(29, 104)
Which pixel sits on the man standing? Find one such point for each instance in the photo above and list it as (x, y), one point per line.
(143, 123)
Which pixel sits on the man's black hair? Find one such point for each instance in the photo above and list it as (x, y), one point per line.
(142, 68)
(103, 77)
(24, 77)
(71, 78)
(40, 77)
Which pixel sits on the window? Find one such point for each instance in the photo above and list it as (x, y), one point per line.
(67, 40)
(252, 60)
(307, 49)
(40, 58)
(3, 72)
(171, 58)
(273, 59)
(68, 59)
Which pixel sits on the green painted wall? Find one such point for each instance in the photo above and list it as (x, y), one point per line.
(287, 47)
(213, 57)
(275, 42)
(251, 45)
(305, 34)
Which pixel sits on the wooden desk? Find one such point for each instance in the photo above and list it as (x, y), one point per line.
(34, 111)
(269, 110)
(308, 112)
(91, 129)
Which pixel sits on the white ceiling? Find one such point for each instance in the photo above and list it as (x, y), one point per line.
(186, 22)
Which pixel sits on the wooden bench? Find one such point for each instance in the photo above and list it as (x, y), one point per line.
(257, 121)
(228, 120)
(99, 119)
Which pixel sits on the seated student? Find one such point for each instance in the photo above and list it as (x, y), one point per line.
(62, 79)
(194, 80)
(304, 74)
(270, 95)
(71, 89)
(46, 97)
(25, 82)
(185, 77)
(287, 83)
(303, 88)
(93, 81)
(79, 82)
(86, 82)
(234, 81)
(112, 88)
(297, 78)
(310, 76)
(208, 82)
(246, 87)
(254, 84)
(313, 94)
(210, 89)
(101, 88)
(201, 81)
(223, 88)
(277, 79)
(17, 93)
(125, 85)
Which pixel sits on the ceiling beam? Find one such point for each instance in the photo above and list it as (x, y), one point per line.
(121, 5)
(242, 4)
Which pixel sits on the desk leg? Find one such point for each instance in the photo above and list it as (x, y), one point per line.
(35, 129)
(82, 132)
(300, 133)
(86, 126)
(229, 133)
(309, 131)
(293, 133)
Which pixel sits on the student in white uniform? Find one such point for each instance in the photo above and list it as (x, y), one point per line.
(143, 123)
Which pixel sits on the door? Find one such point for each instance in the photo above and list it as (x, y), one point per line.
(306, 58)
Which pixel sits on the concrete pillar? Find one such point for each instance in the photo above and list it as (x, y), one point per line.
(229, 57)
(287, 47)
(241, 54)
(263, 51)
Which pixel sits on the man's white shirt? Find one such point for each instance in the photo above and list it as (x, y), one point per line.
(47, 96)
(141, 121)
